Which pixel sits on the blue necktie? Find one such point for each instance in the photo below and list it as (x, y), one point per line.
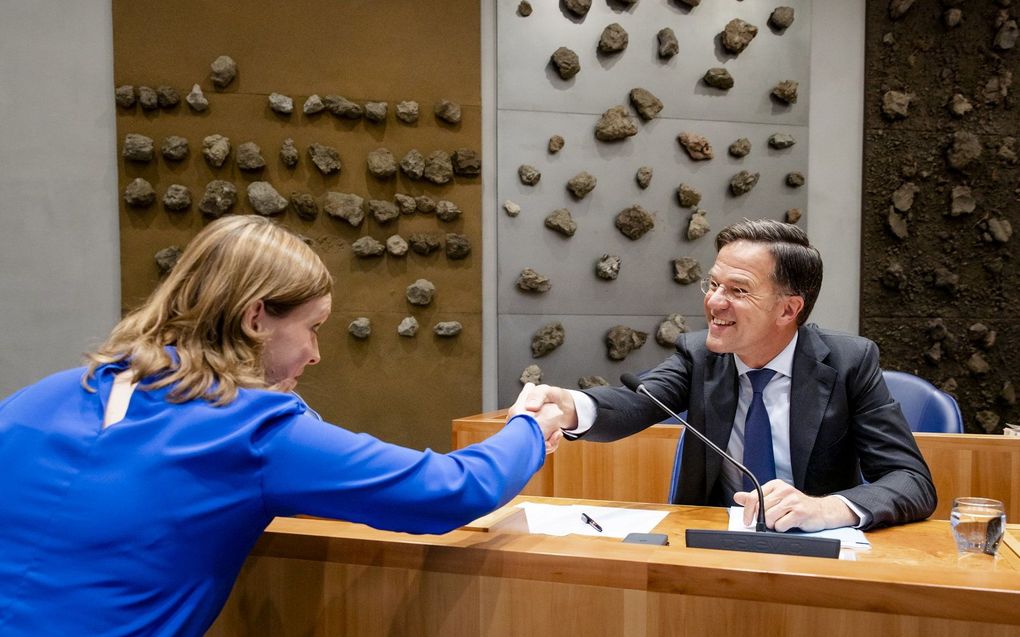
(758, 456)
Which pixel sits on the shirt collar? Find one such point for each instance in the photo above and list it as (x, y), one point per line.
(781, 364)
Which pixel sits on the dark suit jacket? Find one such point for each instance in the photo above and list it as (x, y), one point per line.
(843, 423)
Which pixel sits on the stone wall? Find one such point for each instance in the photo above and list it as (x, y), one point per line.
(939, 284)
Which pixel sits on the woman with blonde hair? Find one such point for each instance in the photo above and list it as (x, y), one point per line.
(134, 488)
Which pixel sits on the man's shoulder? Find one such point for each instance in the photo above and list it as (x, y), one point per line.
(838, 343)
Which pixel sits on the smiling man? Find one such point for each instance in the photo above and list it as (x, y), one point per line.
(805, 408)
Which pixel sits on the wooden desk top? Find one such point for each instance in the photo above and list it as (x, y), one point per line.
(912, 569)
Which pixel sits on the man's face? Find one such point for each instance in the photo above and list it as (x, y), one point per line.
(757, 327)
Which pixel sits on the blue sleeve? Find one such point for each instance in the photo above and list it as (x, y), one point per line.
(316, 468)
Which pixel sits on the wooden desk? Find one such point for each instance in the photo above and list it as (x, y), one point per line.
(638, 468)
(317, 577)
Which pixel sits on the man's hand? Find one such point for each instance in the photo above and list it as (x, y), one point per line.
(548, 415)
(547, 394)
(787, 508)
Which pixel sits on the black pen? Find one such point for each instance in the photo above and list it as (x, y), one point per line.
(590, 522)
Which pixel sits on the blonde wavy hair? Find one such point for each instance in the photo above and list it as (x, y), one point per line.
(232, 263)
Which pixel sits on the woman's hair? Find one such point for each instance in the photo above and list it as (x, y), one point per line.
(232, 263)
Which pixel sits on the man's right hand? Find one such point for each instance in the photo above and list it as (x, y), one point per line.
(561, 398)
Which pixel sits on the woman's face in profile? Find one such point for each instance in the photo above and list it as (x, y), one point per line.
(292, 341)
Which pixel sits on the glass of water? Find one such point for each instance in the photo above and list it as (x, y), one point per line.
(978, 524)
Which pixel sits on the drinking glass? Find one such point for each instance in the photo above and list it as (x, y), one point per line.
(978, 524)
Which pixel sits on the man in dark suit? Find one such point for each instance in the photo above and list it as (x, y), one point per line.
(810, 426)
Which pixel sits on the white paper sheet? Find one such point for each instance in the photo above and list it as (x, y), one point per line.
(847, 536)
(557, 519)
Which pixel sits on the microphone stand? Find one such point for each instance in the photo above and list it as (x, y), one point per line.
(762, 540)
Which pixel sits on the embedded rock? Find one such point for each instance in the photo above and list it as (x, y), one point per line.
(896, 104)
(174, 148)
(965, 149)
(794, 179)
(313, 105)
(792, 215)
(124, 96)
(578, 7)
(587, 382)
(622, 340)
(325, 158)
(383, 211)
(959, 105)
(634, 222)
(408, 326)
(343, 107)
(531, 374)
(216, 149)
(952, 18)
(264, 198)
(147, 98)
(420, 292)
(447, 210)
(688, 196)
(139, 193)
(425, 204)
(281, 104)
(438, 167)
(1007, 36)
(396, 245)
(718, 77)
(408, 111)
(978, 365)
(946, 279)
(381, 163)
(466, 163)
(167, 96)
(447, 111)
(899, 7)
(138, 148)
(360, 327)
(458, 246)
(740, 148)
(547, 338)
(512, 208)
(897, 225)
(996, 230)
(779, 141)
(223, 70)
(561, 221)
(743, 182)
(737, 35)
(781, 18)
(346, 206)
(424, 243)
(614, 39)
(894, 277)
(786, 91)
(670, 330)
(177, 197)
(697, 146)
(447, 329)
(686, 270)
(196, 99)
(289, 154)
(566, 62)
(608, 267)
(376, 111)
(304, 205)
(581, 184)
(668, 45)
(981, 335)
(249, 157)
(698, 226)
(988, 419)
(643, 176)
(647, 105)
(555, 144)
(963, 202)
(406, 203)
(412, 164)
(531, 281)
(166, 259)
(524, 8)
(220, 196)
(528, 174)
(615, 124)
(367, 247)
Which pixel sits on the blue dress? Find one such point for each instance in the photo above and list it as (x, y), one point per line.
(141, 528)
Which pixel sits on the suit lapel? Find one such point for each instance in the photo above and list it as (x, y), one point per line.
(811, 389)
(720, 409)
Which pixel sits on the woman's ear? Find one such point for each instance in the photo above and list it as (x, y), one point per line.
(253, 316)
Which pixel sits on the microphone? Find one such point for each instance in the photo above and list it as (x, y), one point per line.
(762, 540)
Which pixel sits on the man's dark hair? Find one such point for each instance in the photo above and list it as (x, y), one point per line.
(798, 268)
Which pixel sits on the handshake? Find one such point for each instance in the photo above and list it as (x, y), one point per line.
(552, 407)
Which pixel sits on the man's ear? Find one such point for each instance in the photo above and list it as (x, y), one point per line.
(253, 316)
(792, 305)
